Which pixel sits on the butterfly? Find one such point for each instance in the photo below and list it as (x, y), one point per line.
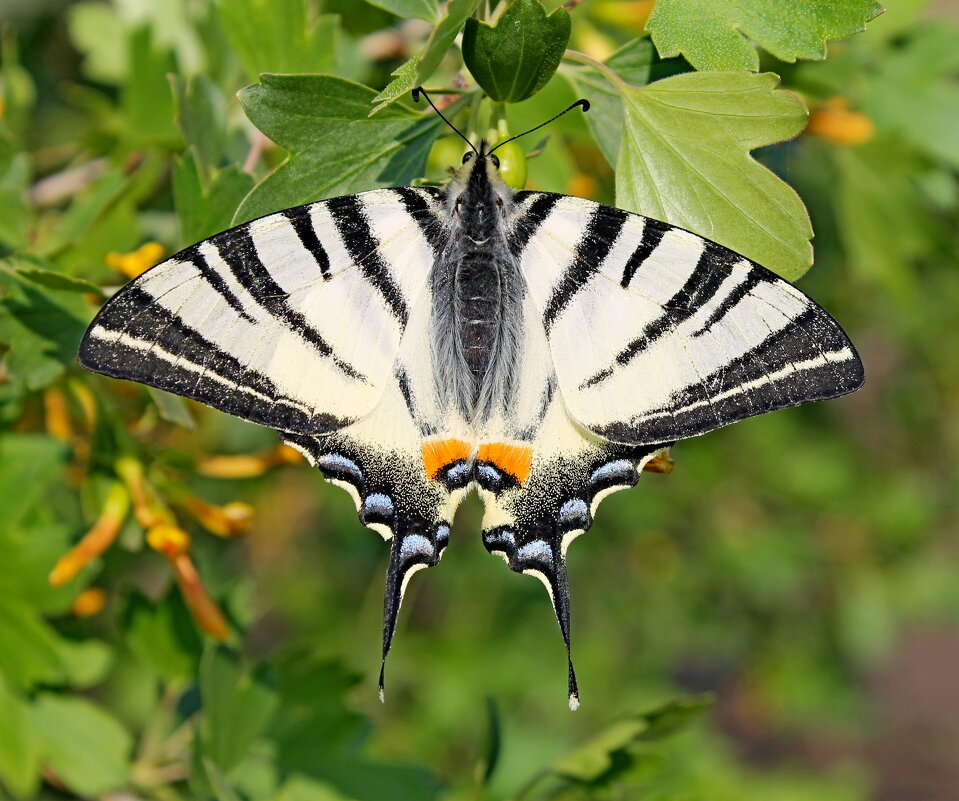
(418, 343)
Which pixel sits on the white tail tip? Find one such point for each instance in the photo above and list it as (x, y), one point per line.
(383, 697)
(573, 702)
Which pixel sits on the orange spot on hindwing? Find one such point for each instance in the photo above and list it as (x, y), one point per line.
(438, 454)
(512, 459)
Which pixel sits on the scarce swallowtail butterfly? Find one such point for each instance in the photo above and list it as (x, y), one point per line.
(417, 343)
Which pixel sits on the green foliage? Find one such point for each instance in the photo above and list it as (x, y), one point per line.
(279, 35)
(420, 68)
(516, 57)
(335, 147)
(716, 188)
(712, 34)
(801, 566)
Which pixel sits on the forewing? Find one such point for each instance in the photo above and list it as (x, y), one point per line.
(293, 320)
(658, 334)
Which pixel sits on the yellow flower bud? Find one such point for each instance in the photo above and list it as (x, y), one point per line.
(837, 124)
(171, 541)
(89, 602)
(137, 262)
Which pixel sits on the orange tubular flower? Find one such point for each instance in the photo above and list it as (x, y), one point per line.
(174, 543)
(97, 539)
(837, 124)
(230, 520)
(89, 602)
(137, 262)
(147, 508)
(248, 465)
(56, 415)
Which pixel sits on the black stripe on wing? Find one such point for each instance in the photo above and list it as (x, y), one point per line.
(420, 209)
(653, 231)
(354, 228)
(809, 359)
(301, 219)
(237, 248)
(601, 233)
(711, 271)
(122, 342)
(193, 255)
(529, 223)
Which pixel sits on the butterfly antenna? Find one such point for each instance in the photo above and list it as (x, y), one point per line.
(416, 99)
(581, 102)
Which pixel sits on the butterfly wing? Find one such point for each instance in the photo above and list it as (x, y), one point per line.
(658, 334)
(313, 321)
(637, 334)
(292, 321)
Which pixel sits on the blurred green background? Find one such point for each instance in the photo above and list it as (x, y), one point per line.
(801, 569)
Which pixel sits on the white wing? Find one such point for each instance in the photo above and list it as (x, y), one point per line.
(658, 334)
(293, 320)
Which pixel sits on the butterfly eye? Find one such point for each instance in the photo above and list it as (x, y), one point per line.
(467, 157)
(495, 160)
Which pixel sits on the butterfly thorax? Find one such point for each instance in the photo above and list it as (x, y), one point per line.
(477, 288)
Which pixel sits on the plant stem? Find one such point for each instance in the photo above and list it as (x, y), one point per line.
(599, 66)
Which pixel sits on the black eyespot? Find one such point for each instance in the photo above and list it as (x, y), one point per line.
(495, 160)
(467, 156)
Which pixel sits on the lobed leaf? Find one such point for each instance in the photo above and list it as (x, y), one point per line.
(685, 159)
(716, 34)
(636, 63)
(335, 147)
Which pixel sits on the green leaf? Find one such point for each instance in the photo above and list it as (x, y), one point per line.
(591, 762)
(237, 705)
(29, 653)
(201, 114)
(162, 635)
(882, 224)
(86, 748)
(42, 328)
(335, 148)
(300, 788)
(280, 35)
(205, 205)
(685, 159)
(716, 34)
(636, 63)
(19, 754)
(13, 192)
(913, 90)
(146, 98)
(28, 465)
(421, 9)
(514, 59)
(417, 70)
(95, 30)
(51, 279)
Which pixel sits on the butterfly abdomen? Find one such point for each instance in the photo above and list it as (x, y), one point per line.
(476, 290)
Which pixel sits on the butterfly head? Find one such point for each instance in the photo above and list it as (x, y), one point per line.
(478, 186)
